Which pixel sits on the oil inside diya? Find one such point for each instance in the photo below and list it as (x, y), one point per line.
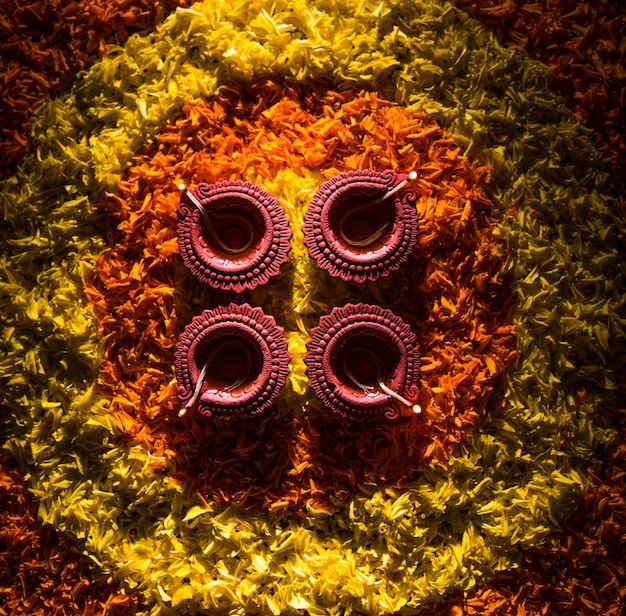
(362, 224)
(231, 362)
(232, 235)
(363, 363)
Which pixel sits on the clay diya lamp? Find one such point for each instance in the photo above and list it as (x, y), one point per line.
(363, 363)
(362, 225)
(230, 362)
(232, 235)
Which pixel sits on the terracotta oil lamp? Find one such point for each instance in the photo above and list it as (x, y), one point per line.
(231, 362)
(232, 235)
(363, 224)
(363, 363)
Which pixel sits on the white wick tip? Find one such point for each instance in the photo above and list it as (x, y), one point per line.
(413, 175)
(182, 411)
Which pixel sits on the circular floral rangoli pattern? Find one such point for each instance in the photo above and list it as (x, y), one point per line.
(512, 478)
(294, 457)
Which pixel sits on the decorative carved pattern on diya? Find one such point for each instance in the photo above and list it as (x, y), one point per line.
(232, 234)
(231, 362)
(363, 363)
(362, 224)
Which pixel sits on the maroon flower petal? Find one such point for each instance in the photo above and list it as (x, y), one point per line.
(356, 234)
(240, 356)
(232, 235)
(352, 351)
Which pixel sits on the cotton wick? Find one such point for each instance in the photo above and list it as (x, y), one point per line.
(378, 233)
(209, 223)
(416, 408)
(196, 393)
(396, 188)
(198, 389)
